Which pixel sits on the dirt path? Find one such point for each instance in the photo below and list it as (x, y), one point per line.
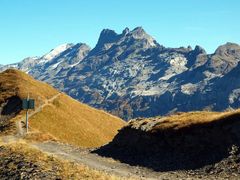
(9, 139)
(85, 157)
(94, 161)
(38, 109)
(19, 128)
(20, 123)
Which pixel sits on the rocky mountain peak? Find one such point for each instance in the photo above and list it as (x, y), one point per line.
(56, 51)
(140, 34)
(225, 58)
(107, 36)
(80, 50)
(189, 48)
(125, 31)
(138, 30)
(82, 46)
(228, 49)
(199, 50)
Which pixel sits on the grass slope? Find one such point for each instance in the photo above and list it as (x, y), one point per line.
(17, 83)
(182, 120)
(75, 123)
(64, 118)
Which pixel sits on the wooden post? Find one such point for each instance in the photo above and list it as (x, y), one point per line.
(26, 105)
(27, 115)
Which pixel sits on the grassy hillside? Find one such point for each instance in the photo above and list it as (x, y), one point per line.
(16, 83)
(205, 142)
(75, 123)
(183, 120)
(14, 86)
(64, 118)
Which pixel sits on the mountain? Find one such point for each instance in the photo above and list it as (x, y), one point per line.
(131, 75)
(202, 143)
(55, 114)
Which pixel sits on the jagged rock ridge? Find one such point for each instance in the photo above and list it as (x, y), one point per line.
(131, 75)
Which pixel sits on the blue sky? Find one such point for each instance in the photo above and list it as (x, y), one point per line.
(33, 27)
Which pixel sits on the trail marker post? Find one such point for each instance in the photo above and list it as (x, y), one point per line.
(26, 105)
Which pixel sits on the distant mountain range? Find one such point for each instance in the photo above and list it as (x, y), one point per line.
(131, 75)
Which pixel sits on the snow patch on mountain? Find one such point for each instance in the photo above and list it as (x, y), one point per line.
(54, 66)
(55, 52)
(189, 88)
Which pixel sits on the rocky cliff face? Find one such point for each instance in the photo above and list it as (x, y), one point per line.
(131, 75)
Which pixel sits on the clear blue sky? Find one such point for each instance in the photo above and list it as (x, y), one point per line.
(33, 27)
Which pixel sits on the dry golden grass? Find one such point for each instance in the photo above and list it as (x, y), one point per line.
(75, 123)
(65, 118)
(39, 137)
(13, 82)
(62, 169)
(184, 120)
(18, 84)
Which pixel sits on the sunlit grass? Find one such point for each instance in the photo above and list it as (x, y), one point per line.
(65, 118)
(76, 123)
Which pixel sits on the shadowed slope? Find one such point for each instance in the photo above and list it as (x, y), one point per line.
(188, 141)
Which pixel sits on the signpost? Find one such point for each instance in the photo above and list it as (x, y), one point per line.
(26, 105)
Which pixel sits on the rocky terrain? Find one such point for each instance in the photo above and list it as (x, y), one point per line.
(198, 143)
(15, 166)
(20, 160)
(131, 75)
